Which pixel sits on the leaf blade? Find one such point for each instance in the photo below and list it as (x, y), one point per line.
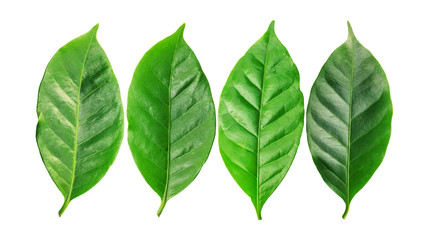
(60, 108)
(351, 92)
(179, 112)
(252, 116)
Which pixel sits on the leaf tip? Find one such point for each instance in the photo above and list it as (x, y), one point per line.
(271, 26)
(95, 28)
(181, 29)
(350, 31)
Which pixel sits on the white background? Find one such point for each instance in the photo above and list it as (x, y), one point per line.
(122, 206)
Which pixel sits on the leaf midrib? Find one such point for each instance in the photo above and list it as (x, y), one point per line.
(165, 192)
(258, 210)
(347, 202)
(68, 199)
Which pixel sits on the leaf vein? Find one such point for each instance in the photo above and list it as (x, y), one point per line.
(241, 125)
(324, 129)
(96, 134)
(277, 158)
(332, 172)
(192, 81)
(94, 90)
(246, 100)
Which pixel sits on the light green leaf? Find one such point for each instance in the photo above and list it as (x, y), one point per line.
(171, 117)
(261, 117)
(80, 114)
(349, 118)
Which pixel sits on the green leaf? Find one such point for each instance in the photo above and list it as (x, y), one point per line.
(171, 117)
(261, 117)
(349, 118)
(80, 114)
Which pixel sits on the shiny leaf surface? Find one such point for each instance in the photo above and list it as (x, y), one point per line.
(80, 114)
(349, 118)
(261, 115)
(171, 117)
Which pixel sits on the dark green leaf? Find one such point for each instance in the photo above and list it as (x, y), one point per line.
(80, 113)
(261, 117)
(349, 118)
(171, 117)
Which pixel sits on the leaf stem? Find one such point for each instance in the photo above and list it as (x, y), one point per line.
(258, 214)
(162, 206)
(64, 206)
(347, 207)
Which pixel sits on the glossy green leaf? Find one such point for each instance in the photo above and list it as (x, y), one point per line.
(171, 117)
(80, 114)
(349, 118)
(261, 115)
